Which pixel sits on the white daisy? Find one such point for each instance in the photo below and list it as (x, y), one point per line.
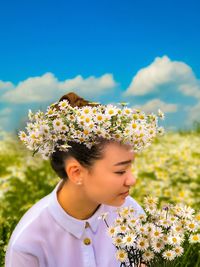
(121, 255)
(149, 228)
(64, 128)
(160, 130)
(194, 238)
(140, 229)
(149, 200)
(30, 127)
(161, 114)
(157, 245)
(142, 243)
(110, 111)
(165, 223)
(123, 228)
(44, 129)
(169, 255)
(117, 241)
(132, 221)
(99, 118)
(148, 255)
(119, 220)
(178, 250)
(177, 228)
(151, 209)
(127, 111)
(187, 212)
(142, 217)
(57, 125)
(129, 239)
(87, 120)
(22, 135)
(63, 104)
(34, 136)
(192, 226)
(156, 233)
(31, 115)
(175, 240)
(111, 231)
(87, 110)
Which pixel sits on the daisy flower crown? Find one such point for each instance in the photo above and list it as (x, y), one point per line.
(62, 122)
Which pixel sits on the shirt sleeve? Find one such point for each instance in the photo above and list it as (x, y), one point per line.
(22, 259)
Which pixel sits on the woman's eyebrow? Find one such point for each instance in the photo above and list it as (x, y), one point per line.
(124, 162)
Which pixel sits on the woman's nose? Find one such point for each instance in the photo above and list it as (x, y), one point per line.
(131, 180)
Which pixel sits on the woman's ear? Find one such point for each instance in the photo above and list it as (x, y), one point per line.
(73, 170)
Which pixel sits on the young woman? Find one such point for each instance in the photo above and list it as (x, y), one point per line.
(63, 229)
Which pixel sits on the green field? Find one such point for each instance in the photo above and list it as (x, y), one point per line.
(169, 169)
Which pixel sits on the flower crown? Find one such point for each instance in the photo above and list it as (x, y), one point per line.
(63, 123)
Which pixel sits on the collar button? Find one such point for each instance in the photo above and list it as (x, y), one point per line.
(87, 241)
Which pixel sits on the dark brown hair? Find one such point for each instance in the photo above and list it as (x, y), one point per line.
(85, 156)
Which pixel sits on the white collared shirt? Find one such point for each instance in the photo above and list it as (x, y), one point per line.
(46, 236)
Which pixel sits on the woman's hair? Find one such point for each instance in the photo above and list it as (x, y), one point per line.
(85, 156)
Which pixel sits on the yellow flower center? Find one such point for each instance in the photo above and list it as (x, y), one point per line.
(195, 238)
(111, 112)
(134, 125)
(99, 117)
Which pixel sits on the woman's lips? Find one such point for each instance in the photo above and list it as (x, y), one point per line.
(125, 193)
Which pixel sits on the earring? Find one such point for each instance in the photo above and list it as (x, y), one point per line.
(79, 183)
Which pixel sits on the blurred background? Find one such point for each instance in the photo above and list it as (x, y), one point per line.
(145, 53)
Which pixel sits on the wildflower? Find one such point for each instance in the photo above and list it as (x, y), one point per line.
(129, 239)
(195, 238)
(111, 230)
(63, 104)
(58, 124)
(142, 243)
(156, 233)
(161, 114)
(175, 240)
(118, 241)
(157, 245)
(22, 135)
(149, 200)
(178, 250)
(121, 255)
(192, 226)
(169, 255)
(148, 255)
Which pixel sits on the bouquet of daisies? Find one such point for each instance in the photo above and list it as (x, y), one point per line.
(162, 237)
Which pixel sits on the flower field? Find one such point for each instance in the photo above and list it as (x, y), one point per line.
(169, 170)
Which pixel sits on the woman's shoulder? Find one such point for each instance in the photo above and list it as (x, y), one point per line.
(30, 220)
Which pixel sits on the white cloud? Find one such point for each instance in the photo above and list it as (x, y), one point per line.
(5, 118)
(6, 85)
(163, 71)
(47, 88)
(155, 104)
(193, 113)
(5, 112)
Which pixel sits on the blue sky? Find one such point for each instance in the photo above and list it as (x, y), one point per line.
(142, 52)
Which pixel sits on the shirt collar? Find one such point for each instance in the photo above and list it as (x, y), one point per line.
(69, 223)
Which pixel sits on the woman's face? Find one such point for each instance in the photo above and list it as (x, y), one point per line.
(111, 176)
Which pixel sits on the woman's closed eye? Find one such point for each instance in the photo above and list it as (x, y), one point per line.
(120, 173)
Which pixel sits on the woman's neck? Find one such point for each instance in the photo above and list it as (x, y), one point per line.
(75, 203)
